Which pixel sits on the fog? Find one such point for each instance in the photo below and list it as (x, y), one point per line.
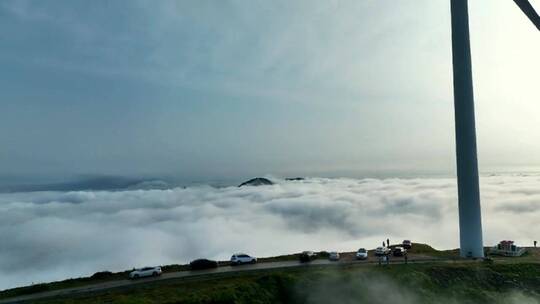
(56, 235)
(375, 288)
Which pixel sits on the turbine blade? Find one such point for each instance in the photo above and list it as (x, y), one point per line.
(528, 9)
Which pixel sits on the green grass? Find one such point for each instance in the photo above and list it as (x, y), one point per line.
(78, 282)
(69, 283)
(458, 282)
(508, 268)
(427, 250)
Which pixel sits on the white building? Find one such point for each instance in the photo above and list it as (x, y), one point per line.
(507, 248)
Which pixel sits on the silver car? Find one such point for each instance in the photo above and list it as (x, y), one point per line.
(382, 251)
(145, 272)
(242, 258)
(333, 256)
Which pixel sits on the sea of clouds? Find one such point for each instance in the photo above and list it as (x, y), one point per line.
(47, 236)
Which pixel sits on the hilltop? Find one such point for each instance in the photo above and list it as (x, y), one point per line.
(435, 277)
(413, 283)
(257, 181)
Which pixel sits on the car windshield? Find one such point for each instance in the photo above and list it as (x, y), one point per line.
(361, 250)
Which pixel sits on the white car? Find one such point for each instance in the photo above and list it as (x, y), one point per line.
(242, 258)
(333, 256)
(361, 254)
(145, 272)
(380, 251)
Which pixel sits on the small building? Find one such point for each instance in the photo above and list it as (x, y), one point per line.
(507, 248)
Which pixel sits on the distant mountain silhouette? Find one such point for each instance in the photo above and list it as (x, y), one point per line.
(258, 181)
(97, 182)
(294, 179)
(150, 185)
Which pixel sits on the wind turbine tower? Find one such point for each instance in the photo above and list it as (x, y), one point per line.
(470, 217)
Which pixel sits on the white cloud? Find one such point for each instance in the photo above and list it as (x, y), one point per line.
(55, 235)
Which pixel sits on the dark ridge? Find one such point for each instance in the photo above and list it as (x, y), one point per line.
(294, 179)
(258, 181)
(89, 183)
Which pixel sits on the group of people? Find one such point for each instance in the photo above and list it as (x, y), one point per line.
(386, 258)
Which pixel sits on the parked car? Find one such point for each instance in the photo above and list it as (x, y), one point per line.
(242, 258)
(407, 244)
(361, 254)
(380, 251)
(333, 256)
(307, 256)
(399, 251)
(202, 264)
(145, 272)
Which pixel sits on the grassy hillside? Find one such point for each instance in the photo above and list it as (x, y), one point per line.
(104, 276)
(503, 279)
(452, 282)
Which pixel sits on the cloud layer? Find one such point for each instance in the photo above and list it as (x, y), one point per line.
(55, 235)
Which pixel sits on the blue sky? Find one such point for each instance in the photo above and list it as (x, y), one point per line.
(203, 90)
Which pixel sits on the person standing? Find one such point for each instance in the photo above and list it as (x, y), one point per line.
(388, 242)
(534, 244)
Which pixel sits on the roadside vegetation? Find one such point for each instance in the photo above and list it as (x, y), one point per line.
(106, 276)
(487, 279)
(449, 282)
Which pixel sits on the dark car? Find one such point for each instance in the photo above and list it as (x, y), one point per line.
(202, 264)
(399, 251)
(307, 256)
(407, 244)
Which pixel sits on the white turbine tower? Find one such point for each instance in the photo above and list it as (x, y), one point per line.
(470, 219)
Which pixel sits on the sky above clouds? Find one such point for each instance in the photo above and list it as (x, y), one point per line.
(227, 89)
(57, 235)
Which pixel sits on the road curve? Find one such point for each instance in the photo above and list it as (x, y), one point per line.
(183, 274)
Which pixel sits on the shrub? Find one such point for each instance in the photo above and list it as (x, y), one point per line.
(101, 275)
